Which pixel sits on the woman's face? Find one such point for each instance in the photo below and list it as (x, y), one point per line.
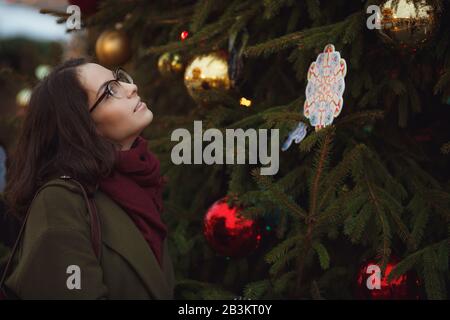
(118, 119)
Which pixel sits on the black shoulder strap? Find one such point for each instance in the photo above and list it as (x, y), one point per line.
(95, 228)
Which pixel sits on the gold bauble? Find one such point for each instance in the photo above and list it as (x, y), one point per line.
(206, 72)
(408, 23)
(170, 64)
(113, 48)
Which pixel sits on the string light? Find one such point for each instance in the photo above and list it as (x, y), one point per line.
(245, 102)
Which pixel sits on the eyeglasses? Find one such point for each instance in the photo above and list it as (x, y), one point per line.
(113, 88)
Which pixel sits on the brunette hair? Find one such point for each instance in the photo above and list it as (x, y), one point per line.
(58, 137)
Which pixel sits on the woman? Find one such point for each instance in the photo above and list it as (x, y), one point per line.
(84, 122)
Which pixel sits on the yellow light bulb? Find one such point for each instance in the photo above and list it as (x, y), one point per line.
(245, 102)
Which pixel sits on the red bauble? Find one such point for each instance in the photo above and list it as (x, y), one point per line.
(405, 287)
(229, 233)
(86, 6)
(184, 35)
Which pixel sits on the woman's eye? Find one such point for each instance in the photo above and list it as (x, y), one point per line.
(112, 91)
(108, 93)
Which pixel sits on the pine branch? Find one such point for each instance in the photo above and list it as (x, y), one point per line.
(256, 290)
(337, 175)
(433, 285)
(274, 117)
(312, 37)
(314, 137)
(421, 216)
(322, 253)
(273, 7)
(255, 119)
(238, 175)
(395, 209)
(354, 28)
(201, 12)
(355, 225)
(319, 165)
(294, 179)
(265, 183)
(283, 282)
(335, 212)
(385, 250)
(281, 249)
(360, 118)
(216, 29)
(274, 45)
(283, 262)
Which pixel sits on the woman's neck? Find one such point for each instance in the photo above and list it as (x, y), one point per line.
(126, 144)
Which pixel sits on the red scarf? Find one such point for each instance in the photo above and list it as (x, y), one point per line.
(136, 185)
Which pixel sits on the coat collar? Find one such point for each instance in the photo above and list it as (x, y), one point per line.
(120, 234)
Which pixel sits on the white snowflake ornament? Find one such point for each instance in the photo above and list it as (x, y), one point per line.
(325, 88)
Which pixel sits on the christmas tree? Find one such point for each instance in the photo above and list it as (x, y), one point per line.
(369, 188)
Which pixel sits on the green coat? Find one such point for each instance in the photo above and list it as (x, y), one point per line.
(57, 235)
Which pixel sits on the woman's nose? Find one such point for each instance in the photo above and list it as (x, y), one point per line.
(131, 89)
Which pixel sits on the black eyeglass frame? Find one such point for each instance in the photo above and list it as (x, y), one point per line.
(107, 90)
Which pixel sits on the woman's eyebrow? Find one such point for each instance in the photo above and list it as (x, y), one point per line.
(104, 85)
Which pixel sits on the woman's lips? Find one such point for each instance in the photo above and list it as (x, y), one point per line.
(140, 106)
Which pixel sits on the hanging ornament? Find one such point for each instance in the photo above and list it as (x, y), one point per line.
(206, 72)
(325, 88)
(373, 285)
(87, 7)
(183, 35)
(170, 64)
(23, 97)
(297, 135)
(408, 24)
(236, 49)
(113, 48)
(229, 233)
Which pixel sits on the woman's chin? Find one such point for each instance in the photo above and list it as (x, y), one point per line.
(145, 119)
(149, 116)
